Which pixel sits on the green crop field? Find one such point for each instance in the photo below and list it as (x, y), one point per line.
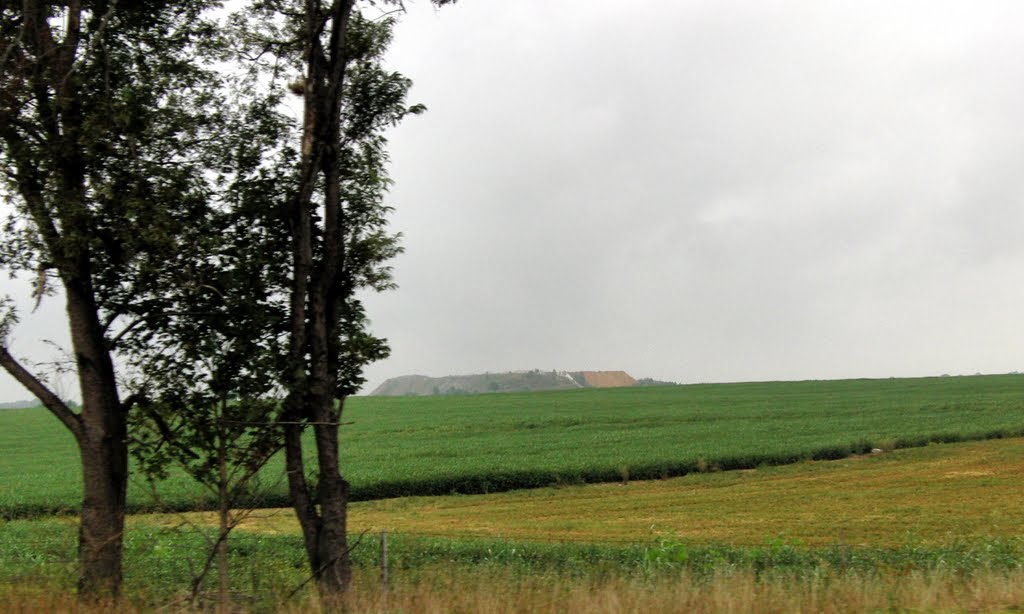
(497, 442)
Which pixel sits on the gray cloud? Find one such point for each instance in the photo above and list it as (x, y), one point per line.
(707, 191)
(701, 191)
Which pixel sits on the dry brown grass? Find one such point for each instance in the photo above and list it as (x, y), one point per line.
(931, 495)
(442, 590)
(741, 592)
(22, 600)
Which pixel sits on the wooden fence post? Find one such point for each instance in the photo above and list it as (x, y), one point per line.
(384, 559)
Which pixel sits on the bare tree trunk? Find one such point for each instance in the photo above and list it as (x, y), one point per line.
(101, 528)
(324, 530)
(103, 450)
(332, 543)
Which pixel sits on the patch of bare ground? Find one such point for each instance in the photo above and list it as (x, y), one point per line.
(607, 379)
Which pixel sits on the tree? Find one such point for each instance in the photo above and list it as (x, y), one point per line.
(203, 376)
(342, 155)
(295, 234)
(113, 150)
(102, 107)
(338, 244)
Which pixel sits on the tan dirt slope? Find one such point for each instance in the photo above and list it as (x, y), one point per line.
(607, 379)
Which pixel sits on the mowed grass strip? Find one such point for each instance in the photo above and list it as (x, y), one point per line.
(499, 442)
(931, 495)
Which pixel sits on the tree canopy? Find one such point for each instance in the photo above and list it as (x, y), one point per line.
(102, 111)
(200, 234)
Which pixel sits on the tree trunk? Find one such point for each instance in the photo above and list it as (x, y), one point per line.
(101, 527)
(224, 515)
(313, 375)
(103, 449)
(100, 432)
(332, 542)
(325, 529)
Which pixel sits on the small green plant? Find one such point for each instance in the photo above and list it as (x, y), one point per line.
(887, 444)
(666, 553)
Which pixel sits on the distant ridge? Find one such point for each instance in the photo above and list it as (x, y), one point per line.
(19, 404)
(513, 381)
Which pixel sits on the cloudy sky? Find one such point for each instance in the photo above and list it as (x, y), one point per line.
(704, 191)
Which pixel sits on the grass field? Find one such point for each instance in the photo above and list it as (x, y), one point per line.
(500, 442)
(927, 495)
(927, 529)
(933, 528)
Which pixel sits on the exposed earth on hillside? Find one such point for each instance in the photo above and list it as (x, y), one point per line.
(605, 379)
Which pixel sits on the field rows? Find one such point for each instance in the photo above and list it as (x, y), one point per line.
(499, 442)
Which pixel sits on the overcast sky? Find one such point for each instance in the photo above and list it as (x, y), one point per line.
(703, 191)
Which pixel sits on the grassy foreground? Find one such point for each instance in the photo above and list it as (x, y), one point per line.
(496, 593)
(431, 575)
(499, 442)
(926, 529)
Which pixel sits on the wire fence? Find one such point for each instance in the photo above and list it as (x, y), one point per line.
(175, 557)
(271, 568)
(251, 536)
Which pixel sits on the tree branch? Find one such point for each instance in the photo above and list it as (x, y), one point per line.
(132, 400)
(14, 44)
(167, 434)
(50, 400)
(112, 343)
